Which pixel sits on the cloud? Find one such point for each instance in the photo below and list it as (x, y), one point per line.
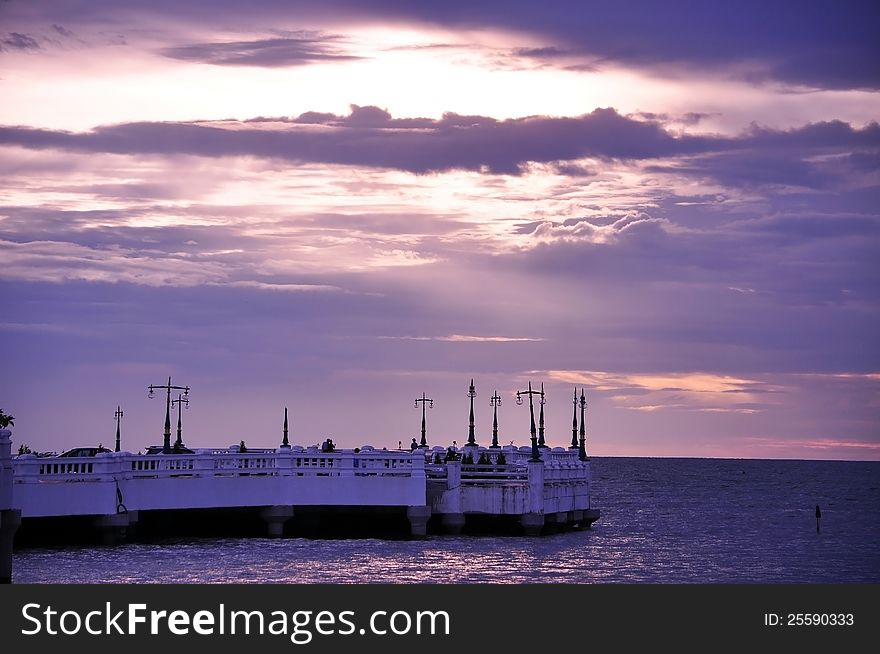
(831, 46)
(287, 288)
(18, 41)
(302, 49)
(463, 338)
(63, 31)
(369, 136)
(691, 382)
(701, 392)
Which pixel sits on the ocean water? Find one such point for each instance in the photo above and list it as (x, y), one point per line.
(663, 521)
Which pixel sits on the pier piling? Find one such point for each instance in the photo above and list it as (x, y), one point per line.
(113, 527)
(276, 517)
(10, 518)
(418, 520)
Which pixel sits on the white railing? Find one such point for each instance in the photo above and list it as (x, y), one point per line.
(559, 465)
(493, 473)
(218, 462)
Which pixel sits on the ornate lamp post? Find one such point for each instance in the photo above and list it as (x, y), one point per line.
(424, 401)
(582, 452)
(574, 422)
(495, 402)
(472, 393)
(536, 454)
(118, 416)
(541, 442)
(166, 445)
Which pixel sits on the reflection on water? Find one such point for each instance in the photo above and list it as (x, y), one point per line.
(663, 521)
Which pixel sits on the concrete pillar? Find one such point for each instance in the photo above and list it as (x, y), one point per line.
(453, 517)
(275, 517)
(6, 470)
(346, 464)
(532, 523)
(536, 486)
(283, 461)
(113, 527)
(533, 520)
(452, 523)
(556, 521)
(576, 519)
(10, 517)
(418, 520)
(590, 516)
(203, 466)
(453, 474)
(9, 521)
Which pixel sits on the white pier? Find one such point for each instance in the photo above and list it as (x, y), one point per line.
(111, 490)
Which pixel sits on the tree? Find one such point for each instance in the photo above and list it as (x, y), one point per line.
(6, 420)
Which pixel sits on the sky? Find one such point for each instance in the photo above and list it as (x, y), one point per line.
(335, 206)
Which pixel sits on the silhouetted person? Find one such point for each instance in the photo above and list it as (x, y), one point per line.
(818, 517)
(414, 445)
(242, 448)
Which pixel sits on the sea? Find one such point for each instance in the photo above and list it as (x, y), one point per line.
(663, 520)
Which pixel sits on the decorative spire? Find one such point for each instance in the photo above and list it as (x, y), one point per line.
(179, 440)
(582, 452)
(541, 442)
(574, 422)
(285, 442)
(495, 402)
(472, 393)
(180, 401)
(166, 442)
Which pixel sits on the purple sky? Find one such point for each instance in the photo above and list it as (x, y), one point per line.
(335, 208)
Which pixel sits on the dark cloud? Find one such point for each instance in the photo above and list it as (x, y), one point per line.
(786, 262)
(304, 48)
(776, 292)
(758, 169)
(823, 155)
(830, 44)
(369, 136)
(63, 31)
(17, 41)
(574, 170)
(541, 53)
(689, 118)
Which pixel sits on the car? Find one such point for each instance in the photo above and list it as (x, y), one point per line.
(158, 449)
(84, 451)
